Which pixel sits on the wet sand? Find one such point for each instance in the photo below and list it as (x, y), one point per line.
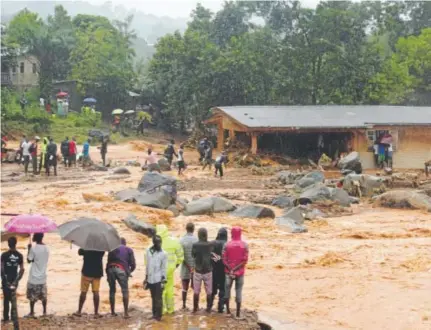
(368, 270)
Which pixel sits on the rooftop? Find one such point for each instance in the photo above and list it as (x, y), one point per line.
(326, 116)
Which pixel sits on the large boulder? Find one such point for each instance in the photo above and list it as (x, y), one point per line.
(151, 181)
(293, 219)
(159, 199)
(363, 184)
(253, 211)
(404, 199)
(341, 196)
(283, 201)
(314, 193)
(351, 162)
(121, 170)
(127, 195)
(139, 226)
(208, 205)
(164, 164)
(310, 179)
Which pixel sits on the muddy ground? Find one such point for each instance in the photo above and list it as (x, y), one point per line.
(369, 269)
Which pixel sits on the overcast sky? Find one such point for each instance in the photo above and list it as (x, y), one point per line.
(175, 8)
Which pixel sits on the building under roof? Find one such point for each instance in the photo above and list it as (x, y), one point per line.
(298, 130)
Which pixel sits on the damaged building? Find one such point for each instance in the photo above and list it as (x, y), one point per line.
(310, 131)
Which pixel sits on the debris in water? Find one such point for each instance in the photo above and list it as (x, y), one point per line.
(327, 260)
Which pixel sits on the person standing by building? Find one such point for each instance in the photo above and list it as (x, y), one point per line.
(72, 152)
(104, 149)
(175, 255)
(156, 261)
(51, 152)
(10, 277)
(121, 264)
(92, 272)
(235, 257)
(219, 278)
(202, 252)
(38, 256)
(188, 264)
(33, 154)
(65, 151)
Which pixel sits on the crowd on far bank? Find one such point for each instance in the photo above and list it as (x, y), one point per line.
(214, 264)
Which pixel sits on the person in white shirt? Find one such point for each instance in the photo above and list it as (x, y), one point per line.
(26, 155)
(38, 256)
(42, 102)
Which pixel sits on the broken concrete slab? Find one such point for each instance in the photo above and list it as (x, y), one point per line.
(253, 211)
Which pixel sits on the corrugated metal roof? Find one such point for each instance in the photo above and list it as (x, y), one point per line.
(329, 116)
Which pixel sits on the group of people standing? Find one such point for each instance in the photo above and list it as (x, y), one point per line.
(216, 265)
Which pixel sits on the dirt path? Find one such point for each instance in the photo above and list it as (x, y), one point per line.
(370, 270)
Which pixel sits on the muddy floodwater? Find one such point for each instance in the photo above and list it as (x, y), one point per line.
(367, 269)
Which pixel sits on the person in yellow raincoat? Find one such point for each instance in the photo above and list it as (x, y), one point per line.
(175, 253)
(42, 161)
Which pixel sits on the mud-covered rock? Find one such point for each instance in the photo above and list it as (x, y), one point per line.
(283, 201)
(153, 180)
(127, 195)
(293, 219)
(253, 211)
(208, 205)
(288, 177)
(363, 185)
(310, 179)
(316, 192)
(160, 199)
(404, 199)
(174, 209)
(164, 164)
(139, 226)
(341, 196)
(121, 170)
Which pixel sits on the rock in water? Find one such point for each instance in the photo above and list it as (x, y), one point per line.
(287, 177)
(174, 210)
(208, 205)
(341, 196)
(405, 199)
(127, 195)
(152, 180)
(121, 170)
(317, 192)
(159, 199)
(283, 201)
(164, 164)
(310, 179)
(253, 211)
(139, 226)
(293, 218)
(368, 185)
(351, 162)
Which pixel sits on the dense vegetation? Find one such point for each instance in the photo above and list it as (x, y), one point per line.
(339, 53)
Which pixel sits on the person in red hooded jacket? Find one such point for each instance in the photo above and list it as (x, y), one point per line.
(235, 257)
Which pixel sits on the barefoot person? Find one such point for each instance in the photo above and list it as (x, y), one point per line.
(201, 252)
(92, 272)
(155, 275)
(219, 278)
(235, 257)
(121, 264)
(188, 265)
(10, 261)
(38, 256)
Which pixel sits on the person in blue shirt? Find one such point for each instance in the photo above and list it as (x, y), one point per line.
(86, 153)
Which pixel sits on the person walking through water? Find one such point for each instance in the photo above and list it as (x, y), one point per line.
(156, 261)
(175, 255)
(218, 165)
(235, 257)
(86, 153)
(10, 277)
(208, 155)
(104, 149)
(219, 278)
(64, 148)
(92, 272)
(51, 152)
(151, 160)
(43, 156)
(201, 252)
(72, 152)
(170, 152)
(38, 256)
(181, 161)
(188, 264)
(121, 264)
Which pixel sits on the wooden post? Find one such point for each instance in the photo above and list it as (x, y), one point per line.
(232, 135)
(254, 143)
(220, 135)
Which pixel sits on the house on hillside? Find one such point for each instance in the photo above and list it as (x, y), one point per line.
(301, 131)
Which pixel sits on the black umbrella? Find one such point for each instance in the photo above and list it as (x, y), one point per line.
(90, 234)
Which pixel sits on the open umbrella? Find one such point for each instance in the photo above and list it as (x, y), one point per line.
(117, 112)
(129, 112)
(90, 100)
(61, 94)
(30, 224)
(90, 234)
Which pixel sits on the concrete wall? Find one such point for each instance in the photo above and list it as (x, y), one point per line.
(27, 79)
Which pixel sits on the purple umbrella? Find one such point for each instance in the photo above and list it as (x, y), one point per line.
(30, 224)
